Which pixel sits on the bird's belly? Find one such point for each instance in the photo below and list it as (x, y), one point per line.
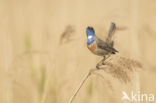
(100, 52)
(94, 49)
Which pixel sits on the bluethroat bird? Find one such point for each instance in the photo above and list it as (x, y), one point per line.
(100, 47)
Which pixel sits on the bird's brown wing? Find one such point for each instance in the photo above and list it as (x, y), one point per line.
(103, 45)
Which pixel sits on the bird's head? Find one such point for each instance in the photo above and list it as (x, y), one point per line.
(90, 35)
(90, 31)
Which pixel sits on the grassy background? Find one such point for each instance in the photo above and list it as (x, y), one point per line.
(36, 68)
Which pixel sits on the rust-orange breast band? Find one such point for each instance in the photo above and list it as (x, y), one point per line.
(92, 46)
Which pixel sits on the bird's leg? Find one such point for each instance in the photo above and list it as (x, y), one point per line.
(98, 64)
(104, 58)
(102, 61)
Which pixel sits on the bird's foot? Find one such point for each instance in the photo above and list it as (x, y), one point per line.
(97, 66)
(103, 60)
(103, 63)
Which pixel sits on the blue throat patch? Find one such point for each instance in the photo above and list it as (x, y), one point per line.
(90, 39)
(90, 36)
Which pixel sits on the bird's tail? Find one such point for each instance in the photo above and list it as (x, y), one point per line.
(110, 37)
